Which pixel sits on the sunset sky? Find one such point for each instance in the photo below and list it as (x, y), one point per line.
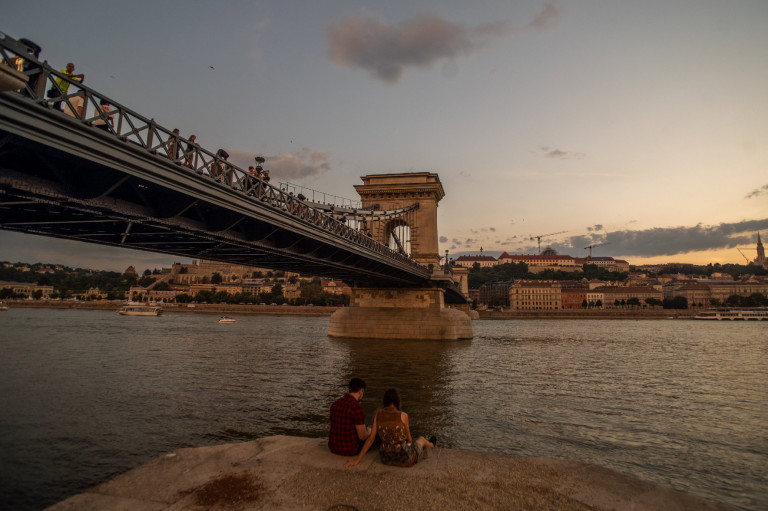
(643, 125)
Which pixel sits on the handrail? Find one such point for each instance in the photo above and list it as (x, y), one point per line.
(45, 88)
(328, 199)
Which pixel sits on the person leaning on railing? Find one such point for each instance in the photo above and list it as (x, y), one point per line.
(77, 102)
(190, 158)
(63, 85)
(173, 145)
(103, 121)
(221, 171)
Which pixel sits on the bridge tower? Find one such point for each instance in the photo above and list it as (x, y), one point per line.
(395, 191)
(404, 312)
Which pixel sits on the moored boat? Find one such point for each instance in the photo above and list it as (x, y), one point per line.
(734, 314)
(140, 310)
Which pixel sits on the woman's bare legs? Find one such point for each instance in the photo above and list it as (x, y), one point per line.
(424, 443)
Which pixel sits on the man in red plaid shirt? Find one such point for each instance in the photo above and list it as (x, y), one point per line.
(348, 431)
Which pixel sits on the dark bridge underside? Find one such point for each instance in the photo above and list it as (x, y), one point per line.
(63, 179)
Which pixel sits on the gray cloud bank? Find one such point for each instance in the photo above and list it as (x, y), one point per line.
(668, 241)
(658, 241)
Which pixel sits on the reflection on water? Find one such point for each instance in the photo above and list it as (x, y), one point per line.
(89, 394)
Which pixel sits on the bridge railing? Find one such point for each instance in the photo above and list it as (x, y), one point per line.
(320, 197)
(64, 95)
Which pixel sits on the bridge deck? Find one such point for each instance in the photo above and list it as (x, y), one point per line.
(61, 177)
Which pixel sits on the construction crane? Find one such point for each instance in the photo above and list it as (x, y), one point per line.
(544, 236)
(742, 255)
(590, 247)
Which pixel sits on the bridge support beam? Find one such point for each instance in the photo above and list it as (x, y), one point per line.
(402, 313)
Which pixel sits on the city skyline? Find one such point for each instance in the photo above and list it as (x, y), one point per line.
(634, 126)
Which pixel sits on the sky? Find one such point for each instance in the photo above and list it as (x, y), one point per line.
(638, 126)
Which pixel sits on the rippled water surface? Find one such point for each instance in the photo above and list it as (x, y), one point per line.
(86, 395)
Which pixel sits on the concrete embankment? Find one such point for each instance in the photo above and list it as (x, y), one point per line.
(283, 472)
(213, 308)
(591, 314)
(327, 311)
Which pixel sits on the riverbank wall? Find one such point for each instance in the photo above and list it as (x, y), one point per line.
(592, 314)
(306, 310)
(285, 472)
(212, 308)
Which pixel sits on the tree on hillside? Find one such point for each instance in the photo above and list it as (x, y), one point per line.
(204, 295)
(753, 300)
(502, 272)
(678, 302)
(653, 302)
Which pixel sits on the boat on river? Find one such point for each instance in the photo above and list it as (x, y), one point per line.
(734, 314)
(3, 307)
(140, 310)
(227, 319)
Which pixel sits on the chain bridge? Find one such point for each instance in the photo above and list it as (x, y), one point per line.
(78, 165)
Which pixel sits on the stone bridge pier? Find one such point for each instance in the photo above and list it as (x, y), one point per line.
(404, 312)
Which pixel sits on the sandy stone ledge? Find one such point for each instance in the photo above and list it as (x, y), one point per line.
(283, 472)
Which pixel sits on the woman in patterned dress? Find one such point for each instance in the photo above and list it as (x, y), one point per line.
(391, 424)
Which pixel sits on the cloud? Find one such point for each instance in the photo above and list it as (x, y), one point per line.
(667, 241)
(303, 163)
(757, 192)
(443, 239)
(546, 19)
(657, 241)
(561, 155)
(385, 51)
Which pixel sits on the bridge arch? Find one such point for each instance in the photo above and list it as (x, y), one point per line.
(398, 235)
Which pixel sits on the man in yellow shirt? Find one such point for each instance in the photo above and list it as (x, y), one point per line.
(63, 84)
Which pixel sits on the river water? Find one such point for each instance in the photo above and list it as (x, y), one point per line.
(86, 395)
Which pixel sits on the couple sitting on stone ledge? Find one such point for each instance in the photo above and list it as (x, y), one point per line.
(349, 435)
